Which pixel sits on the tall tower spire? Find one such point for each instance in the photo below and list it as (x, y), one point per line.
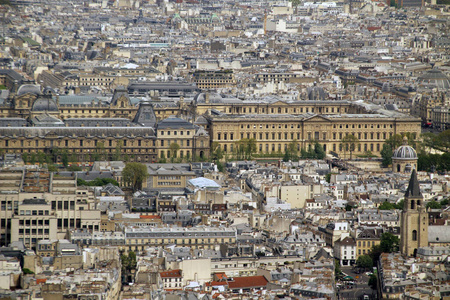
(414, 219)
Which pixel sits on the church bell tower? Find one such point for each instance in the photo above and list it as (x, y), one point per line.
(414, 219)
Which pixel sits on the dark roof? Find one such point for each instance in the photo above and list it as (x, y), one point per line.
(413, 190)
(99, 122)
(174, 123)
(145, 115)
(45, 103)
(118, 93)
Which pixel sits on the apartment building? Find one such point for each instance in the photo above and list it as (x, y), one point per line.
(43, 206)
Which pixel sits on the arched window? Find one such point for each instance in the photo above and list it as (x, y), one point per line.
(413, 204)
(398, 168)
(414, 235)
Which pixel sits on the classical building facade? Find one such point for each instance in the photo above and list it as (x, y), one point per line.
(414, 219)
(273, 133)
(36, 121)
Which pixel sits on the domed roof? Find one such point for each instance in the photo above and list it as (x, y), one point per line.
(437, 78)
(405, 151)
(213, 98)
(29, 89)
(44, 104)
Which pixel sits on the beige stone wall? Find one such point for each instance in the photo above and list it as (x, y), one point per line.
(273, 133)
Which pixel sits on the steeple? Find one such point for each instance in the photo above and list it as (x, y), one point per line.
(413, 190)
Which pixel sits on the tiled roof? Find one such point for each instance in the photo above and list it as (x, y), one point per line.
(170, 274)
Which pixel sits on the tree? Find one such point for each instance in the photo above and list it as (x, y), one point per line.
(389, 242)
(216, 152)
(337, 268)
(318, 150)
(349, 143)
(364, 262)
(373, 282)
(118, 152)
(65, 158)
(375, 253)
(100, 152)
(291, 151)
(245, 148)
(41, 157)
(386, 205)
(174, 147)
(25, 158)
(433, 205)
(444, 202)
(386, 155)
(33, 158)
(134, 174)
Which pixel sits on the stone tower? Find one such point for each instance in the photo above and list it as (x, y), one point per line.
(414, 221)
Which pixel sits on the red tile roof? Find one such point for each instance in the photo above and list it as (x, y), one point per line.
(170, 274)
(241, 282)
(247, 282)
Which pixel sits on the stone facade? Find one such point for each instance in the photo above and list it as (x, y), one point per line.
(414, 219)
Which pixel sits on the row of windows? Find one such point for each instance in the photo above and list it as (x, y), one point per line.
(163, 154)
(363, 243)
(175, 132)
(39, 231)
(178, 241)
(181, 142)
(169, 183)
(364, 136)
(173, 177)
(34, 212)
(34, 222)
(82, 143)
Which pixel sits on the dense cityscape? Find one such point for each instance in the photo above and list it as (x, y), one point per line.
(192, 149)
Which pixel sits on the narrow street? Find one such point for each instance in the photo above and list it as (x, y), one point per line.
(359, 289)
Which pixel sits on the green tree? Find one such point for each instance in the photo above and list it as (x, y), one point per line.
(41, 158)
(100, 152)
(134, 175)
(73, 158)
(291, 152)
(444, 202)
(33, 158)
(118, 151)
(318, 150)
(25, 158)
(373, 282)
(27, 271)
(399, 205)
(65, 158)
(386, 205)
(174, 147)
(216, 152)
(433, 205)
(386, 155)
(394, 141)
(245, 148)
(349, 143)
(52, 168)
(389, 242)
(337, 268)
(364, 262)
(375, 253)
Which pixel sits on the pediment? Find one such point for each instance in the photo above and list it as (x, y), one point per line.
(316, 118)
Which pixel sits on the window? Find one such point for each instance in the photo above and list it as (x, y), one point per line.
(414, 235)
